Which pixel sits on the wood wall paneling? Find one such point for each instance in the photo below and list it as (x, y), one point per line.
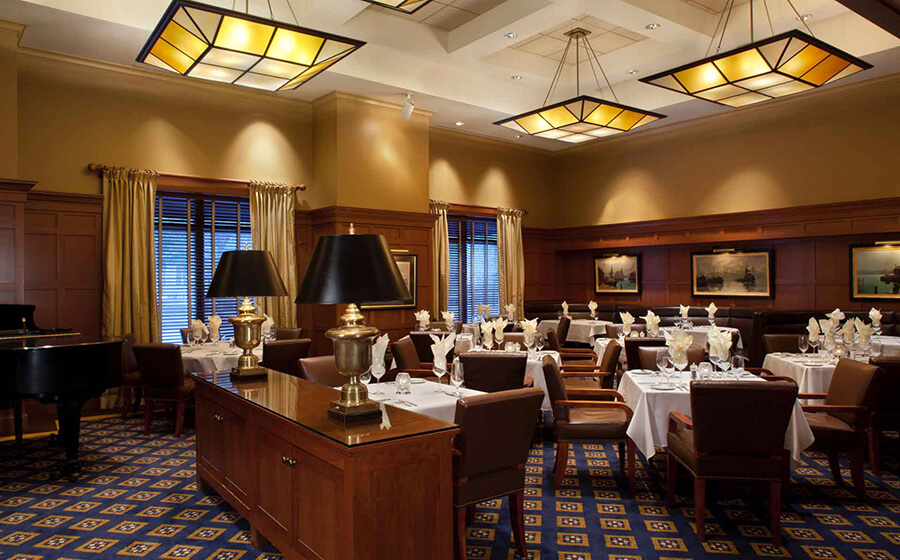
(13, 194)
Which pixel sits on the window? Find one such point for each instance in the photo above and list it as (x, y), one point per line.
(192, 232)
(474, 270)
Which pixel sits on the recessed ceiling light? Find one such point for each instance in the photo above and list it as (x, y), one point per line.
(518, 136)
(633, 71)
(652, 26)
(516, 77)
(459, 123)
(510, 35)
(805, 17)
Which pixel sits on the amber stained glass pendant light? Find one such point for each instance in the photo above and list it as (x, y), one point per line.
(583, 117)
(210, 43)
(780, 65)
(404, 6)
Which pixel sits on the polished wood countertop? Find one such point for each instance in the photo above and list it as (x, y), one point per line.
(306, 404)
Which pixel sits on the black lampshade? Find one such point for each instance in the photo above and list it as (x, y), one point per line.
(352, 269)
(246, 273)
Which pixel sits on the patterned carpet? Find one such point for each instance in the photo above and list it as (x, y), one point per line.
(138, 498)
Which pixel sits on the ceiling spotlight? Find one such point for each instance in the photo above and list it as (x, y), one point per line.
(633, 71)
(510, 35)
(516, 77)
(408, 107)
(518, 136)
(459, 123)
(652, 26)
(805, 17)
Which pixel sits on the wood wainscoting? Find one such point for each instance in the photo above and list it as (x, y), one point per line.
(811, 247)
(13, 195)
(408, 231)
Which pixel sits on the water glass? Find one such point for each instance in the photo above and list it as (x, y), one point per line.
(377, 373)
(705, 370)
(439, 370)
(214, 338)
(814, 344)
(456, 377)
(803, 344)
(403, 383)
(725, 363)
(539, 340)
(366, 378)
(662, 361)
(498, 336)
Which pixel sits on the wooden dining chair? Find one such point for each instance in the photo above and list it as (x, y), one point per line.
(489, 457)
(132, 386)
(163, 378)
(288, 333)
(647, 356)
(789, 343)
(495, 371)
(716, 443)
(633, 345)
(284, 355)
(884, 416)
(406, 358)
(321, 370)
(599, 376)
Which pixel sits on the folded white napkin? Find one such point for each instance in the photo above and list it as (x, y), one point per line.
(423, 317)
(684, 309)
(836, 316)
(813, 329)
(484, 310)
(678, 342)
(267, 325)
(847, 330)
(487, 333)
(441, 348)
(592, 305)
(652, 320)
(828, 330)
(215, 324)
(448, 318)
(865, 331)
(529, 327)
(378, 350)
(627, 321)
(500, 325)
(875, 316)
(385, 421)
(565, 309)
(719, 342)
(198, 329)
(711, 310)
(510, 311)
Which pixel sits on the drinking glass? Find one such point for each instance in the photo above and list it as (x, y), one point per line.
(875, 349)
(705, 370)
(813, 344)
(366, 378)
(620, 331)
(456, 377)
(539, 340)
(487, 341)
(680, 361)
(737, 365)
(803, 344)
(377, 373)
(725, 363)
(714, 360)
(214, 338)
(403, 383)
(662, 360)
(439, 370)
(498, 336)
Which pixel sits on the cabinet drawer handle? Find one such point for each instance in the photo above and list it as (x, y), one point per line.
(218, 417)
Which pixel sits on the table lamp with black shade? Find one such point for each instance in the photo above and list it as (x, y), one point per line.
(247, 274)
(352, 269)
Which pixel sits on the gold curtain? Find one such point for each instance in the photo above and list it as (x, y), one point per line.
(129, 255)
(441, 259)
(272, 228)
(511, 258)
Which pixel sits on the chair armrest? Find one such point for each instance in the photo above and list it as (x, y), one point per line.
(418, 372)
(834, 408)
(586, 373)
(599, 404)
(603, 392)
(586, 394)
(579, 367)
(812, 395)
(577, 351)
(758, 371)
(678, 421)
(778, 378)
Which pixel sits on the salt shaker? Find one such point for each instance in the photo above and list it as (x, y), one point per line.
(693, 372)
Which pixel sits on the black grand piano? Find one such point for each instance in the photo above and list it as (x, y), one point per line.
(54, 366)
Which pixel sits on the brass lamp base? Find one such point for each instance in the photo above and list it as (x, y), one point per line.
(353, 357)
(247, 336)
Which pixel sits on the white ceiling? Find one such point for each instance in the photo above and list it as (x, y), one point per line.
(460, 66)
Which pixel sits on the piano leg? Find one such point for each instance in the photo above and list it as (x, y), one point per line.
(17, 421)
(69, 416)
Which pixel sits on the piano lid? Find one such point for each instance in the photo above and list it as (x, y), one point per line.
(66, 340)
(16, 317)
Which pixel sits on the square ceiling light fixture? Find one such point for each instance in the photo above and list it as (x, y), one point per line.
(405, 6)
(210, 43)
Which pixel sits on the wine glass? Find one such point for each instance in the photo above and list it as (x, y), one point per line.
(539, 341)
(725, 362)
(803, 344)
(377, 373)
(499, 337)
(680, 361)
(814, 344)
(487, 342)
(456, 377)
(214, 337)
(366, 378)
(704, 370)
(662, 360)
(439, 370)
(529, 344)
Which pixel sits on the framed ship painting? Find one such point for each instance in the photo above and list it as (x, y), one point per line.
(617, 274)
(408, 264)
(875, 272)
(732, 274)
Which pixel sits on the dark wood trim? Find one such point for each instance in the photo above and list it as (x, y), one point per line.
(347, 214)
(16, 185)
(196, 184)
(842, 218)
(471, 210)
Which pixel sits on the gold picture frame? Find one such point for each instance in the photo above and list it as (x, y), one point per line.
(408, 263)
(617, 274)
(732, 274)
(875, 272)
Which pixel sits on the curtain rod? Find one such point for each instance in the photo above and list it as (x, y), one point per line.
(99, 168)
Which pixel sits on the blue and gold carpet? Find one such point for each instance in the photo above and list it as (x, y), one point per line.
(138, 498)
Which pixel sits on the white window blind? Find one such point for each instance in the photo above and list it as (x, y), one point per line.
(474, 270)
(192, 232)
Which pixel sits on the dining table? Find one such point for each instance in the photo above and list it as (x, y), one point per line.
(651, 401)
(890, 345)
(425, 397)
(812, 372)
(212, 357)
(700, 332)
(580, 330)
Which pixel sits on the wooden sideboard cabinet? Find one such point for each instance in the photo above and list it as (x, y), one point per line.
(317, 488)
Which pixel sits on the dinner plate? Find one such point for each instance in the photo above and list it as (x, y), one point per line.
(416, 380)
(663, 387)
(640, 372)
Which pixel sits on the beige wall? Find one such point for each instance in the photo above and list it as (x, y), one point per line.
(816, 148)
(9, 41)
(73, 114)
(469, 170)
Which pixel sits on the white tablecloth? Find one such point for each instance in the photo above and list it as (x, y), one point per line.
(699, 332)
(535, 370)
(812, 372)
(600, 348)
(580, 330)
(890, 345)
(425, 396)
(213, 357)
(649, 427)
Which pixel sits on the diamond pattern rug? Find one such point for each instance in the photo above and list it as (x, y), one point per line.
(138, 498)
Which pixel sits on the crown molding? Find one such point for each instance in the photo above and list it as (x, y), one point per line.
(768, 106)
(335, 95)
(475, 137)
(8, 26)
(38, 55)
